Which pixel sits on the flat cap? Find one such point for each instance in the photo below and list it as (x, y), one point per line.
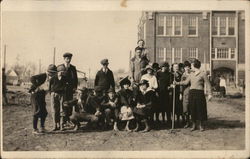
(67, 54)
(124, 81)
(104, 61)
(51, 68)
(61, 68)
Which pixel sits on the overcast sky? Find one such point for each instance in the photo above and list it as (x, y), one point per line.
(89, 35)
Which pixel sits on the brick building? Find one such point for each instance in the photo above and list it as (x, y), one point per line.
(216, 38)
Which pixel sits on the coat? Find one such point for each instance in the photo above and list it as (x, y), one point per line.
(148, 99)
(37, 80)
(105, 80)
(137, 68)
(126, 97)
(178, 89)
(185, 93)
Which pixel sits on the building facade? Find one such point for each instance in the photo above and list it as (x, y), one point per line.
(216, 38)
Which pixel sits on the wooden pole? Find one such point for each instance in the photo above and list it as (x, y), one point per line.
(54, 56)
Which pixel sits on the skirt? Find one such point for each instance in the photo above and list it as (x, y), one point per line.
(197, 105)
(185, 102)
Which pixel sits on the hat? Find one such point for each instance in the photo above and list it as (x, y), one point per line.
(164, 64)
(143, 82)
(111, 90)
(98, 89)
(67, 54)
(105, 61)
(61, 68)
(149, 67)
(155, 66)
(181, 65)
(124, 81)
(51, 69)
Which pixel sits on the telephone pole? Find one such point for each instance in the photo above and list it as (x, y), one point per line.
(54, 56)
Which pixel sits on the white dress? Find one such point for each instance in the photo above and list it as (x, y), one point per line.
(151, 80)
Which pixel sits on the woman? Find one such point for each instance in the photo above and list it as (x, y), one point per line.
(185, 93)
(144, 101)
(150, 77)
(197, 100)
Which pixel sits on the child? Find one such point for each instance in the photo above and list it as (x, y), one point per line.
(38, 92)
(58, 85)
(144, 101)
(126, 101)
(110, 107)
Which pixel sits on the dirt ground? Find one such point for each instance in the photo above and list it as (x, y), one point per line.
(225, 130)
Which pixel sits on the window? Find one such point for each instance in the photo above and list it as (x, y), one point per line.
(231, 25)
(232, 53)
(193, 52)
(160, 52)
(160, 24)
(223, 26)
(193, 26)
(223, 53)
(169, 25)
(169, 55)
(177, 25)
(177, 55)
(214, 25)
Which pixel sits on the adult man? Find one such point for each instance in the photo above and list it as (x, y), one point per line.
(71, 80)
(138, 65)
(104, 77)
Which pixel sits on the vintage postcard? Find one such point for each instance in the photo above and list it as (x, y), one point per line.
(125, 79)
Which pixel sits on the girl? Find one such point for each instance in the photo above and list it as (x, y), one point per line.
(197, 100)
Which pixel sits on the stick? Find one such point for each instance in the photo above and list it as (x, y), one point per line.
(173, 118)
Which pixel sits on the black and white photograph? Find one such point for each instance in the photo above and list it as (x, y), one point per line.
(124, 79)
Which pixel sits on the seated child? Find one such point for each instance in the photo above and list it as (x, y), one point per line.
(126, 97)
(110, 107)
(144, 101)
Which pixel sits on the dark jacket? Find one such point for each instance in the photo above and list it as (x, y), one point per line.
(126, 97)
(93, 104)
(56, 85)
(164, 80)
(37, 80)
(105, 103)
(105, 80)
(71, 76)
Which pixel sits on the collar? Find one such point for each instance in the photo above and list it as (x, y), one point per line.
(67, 66)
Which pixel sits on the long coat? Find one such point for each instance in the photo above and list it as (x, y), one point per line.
(126, 97)
(105, 80)
(185, 93)
(71, 81)
(137, 68)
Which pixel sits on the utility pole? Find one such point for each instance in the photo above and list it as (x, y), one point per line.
(54, 56)
(39, 66)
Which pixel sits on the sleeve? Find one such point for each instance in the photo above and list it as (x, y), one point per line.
(112, 79)
(75, 78)
(155, 83)
(96, 78)
(186, 82)
(209, 88)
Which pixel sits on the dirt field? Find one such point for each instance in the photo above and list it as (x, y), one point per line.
(225, 130)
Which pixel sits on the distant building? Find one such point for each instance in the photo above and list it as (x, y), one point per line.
(216, 38)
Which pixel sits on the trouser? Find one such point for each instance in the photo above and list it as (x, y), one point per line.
(56, 107)
(35, 121)
(76, 118)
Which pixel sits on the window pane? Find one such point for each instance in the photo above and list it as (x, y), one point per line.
(169, 55)
(160, 25)
(222, 25)
(213, 53)
(222, 53)
(177, 55)
(231, 25)
(192, 52)
(214, 25)
(177, 25)
(169, 25)
(192, 26)
(232, 53)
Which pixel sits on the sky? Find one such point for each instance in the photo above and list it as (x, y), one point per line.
(89, 35)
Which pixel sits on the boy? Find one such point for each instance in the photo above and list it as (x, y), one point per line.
(38, 92)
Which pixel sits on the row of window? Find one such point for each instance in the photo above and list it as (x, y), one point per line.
(172, 55)
(172, 26)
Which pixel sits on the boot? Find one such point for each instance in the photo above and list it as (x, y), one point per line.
(187, 122)
(193, 126)
(62, 124)
(201, 127)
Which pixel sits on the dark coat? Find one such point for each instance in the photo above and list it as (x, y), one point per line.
(148, 99)
(137, 68)
(93, 104)
(38, 104)
(37, 80)
(105, 103)
(126, 97)
(58, 86)
(105, 80)
(178, 89)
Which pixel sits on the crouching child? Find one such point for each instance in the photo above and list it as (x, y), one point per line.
(79, 114)
(38, 90)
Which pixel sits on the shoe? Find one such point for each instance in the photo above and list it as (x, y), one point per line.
(76, 128)
(36, 132)
(145, 130)
(43, 130)
(193, 127)
(201, 127)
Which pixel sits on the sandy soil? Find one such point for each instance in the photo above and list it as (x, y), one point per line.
(225, 130)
